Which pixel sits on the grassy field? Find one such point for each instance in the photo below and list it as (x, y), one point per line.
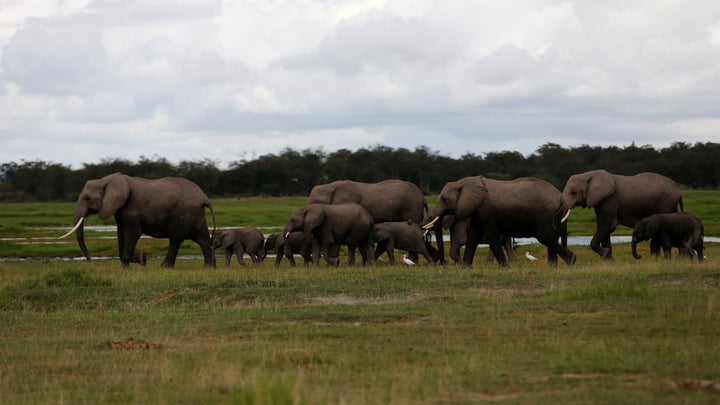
(626, 331)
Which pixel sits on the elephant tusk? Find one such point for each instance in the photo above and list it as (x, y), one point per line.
(79, 222)
(565, 217)
(430, 224)
(287, 234)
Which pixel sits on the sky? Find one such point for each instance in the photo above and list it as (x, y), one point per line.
(82, 81)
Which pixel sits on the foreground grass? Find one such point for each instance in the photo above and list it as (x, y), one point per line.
(622, 332)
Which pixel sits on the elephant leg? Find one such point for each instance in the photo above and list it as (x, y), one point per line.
(172, 252)
(228, 256)
(126, 247)
(208, 254)
(432, 251)
(654, 247)
(554, 248)
(239, 252)
(507, 244)
(412, 255)
(473, 239)
(380, 249)
(327, 252)
(426, 254)
(291, 259)
(698, 247)
(687, 244)
(489, 257)
(367, 254)
(279, 256)
(315, 255)
(390, 249)
(552, 255)
(667, 251)
(600, 244)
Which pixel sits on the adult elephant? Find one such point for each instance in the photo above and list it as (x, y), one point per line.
(170, 207)
(619, 200)
(525, 207)
(386, 201)
(329, 226)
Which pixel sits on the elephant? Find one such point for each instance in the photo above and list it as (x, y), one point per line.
(294, 243)
(619, 200)
(524, 207)
(668, 230)
(170, 207)
(386, 201)
(330, 226)
(240, 241)
(458, 238)
(405, 235)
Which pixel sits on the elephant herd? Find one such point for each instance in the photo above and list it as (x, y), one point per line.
(394, 214)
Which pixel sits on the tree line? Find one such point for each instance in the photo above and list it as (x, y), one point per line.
(293, 172)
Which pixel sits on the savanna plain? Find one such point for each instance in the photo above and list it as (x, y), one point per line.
(620, 331)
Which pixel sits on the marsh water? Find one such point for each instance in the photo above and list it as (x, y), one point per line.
(111, 230)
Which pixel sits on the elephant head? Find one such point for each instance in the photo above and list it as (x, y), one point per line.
(102, 196)
(587, 189)
(272, 242)
(223, 240)
(643, 231)
(305, 219)
(381, 232)
(460, 198)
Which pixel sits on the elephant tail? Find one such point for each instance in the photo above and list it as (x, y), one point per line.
(680, 201)
(214, 228)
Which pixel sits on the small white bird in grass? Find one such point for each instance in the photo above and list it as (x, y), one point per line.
(530, 257)
(407, 261)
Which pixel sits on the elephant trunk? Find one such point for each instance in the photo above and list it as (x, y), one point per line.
(634, 248)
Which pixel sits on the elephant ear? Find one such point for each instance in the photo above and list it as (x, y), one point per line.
(115, 193)
(314, 216)
(600, 186)
(472, 194)
(381, 233)
(227, 239)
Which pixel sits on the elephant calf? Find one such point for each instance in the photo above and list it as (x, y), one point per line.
(681, 230)
(295, 243)
(404, 235)
(239, 241)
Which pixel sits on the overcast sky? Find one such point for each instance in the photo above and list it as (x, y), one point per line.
(82, 80)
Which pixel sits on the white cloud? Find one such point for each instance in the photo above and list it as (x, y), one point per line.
(91, 79)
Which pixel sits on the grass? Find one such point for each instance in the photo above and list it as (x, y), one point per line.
(626, 331)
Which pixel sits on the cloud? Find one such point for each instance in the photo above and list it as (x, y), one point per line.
(179, 78)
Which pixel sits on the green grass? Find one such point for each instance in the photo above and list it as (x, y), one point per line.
(625, 331)
(596, 332)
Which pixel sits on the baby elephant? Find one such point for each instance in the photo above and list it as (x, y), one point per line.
(295, 242)
(404, 235)
(678, 229)
(239, 241)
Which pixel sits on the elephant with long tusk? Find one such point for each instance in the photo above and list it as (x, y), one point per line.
(170, 207)
(619, 200)
(525, 207)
